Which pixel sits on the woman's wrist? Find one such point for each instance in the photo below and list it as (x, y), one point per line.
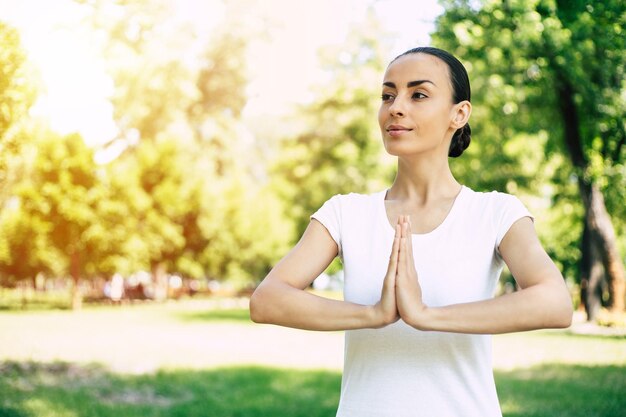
(374, 317)
(422, 318)
(377, 318)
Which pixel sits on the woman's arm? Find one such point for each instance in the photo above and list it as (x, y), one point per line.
(543, 300)
(281, 297)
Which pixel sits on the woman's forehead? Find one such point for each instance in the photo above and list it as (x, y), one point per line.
(418, 66)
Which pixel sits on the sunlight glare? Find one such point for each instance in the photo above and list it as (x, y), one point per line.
(284, 64)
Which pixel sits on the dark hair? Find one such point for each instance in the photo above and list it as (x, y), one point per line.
(460, 91)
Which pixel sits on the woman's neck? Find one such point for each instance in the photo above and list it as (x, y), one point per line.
(423, 180)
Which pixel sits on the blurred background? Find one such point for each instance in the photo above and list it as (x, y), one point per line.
(155, 150)
(182, 145)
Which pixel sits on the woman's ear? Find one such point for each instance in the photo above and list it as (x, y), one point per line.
(460, 114)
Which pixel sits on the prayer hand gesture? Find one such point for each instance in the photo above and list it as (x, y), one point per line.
(408, 290)
(401, 294)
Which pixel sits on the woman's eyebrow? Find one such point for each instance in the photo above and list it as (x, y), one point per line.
(409, 84)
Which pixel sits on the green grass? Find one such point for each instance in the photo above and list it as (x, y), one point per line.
(20, 300)
(47, 390)
(229, 315)
(62, 389)
(556, 390)
(60, 363)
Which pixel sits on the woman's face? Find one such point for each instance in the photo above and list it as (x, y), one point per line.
(417, 114)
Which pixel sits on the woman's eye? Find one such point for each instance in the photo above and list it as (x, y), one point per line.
(386, 97)
(417, 96)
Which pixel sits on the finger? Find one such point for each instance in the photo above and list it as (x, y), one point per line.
(408, 255)
(410, 261)
(406, 248)
(402, 220)
(395, 247)
(393, 258)
(406, 231)
(409, 234)
(402, 255)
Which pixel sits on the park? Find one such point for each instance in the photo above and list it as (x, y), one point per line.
(159, 157)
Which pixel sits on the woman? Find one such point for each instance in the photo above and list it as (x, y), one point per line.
(421, 262)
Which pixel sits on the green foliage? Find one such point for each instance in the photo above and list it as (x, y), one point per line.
(25, 248)
(155, 174)
(62, 209)
(222, 78)
(184, 199)
(247, 234)
(16, 97)
(15, 93)
(199, 226)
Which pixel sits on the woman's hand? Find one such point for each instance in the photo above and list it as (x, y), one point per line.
(386, 309)
(408, 291)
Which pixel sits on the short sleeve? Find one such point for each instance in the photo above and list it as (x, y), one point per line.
(330, 217)
(510, 210)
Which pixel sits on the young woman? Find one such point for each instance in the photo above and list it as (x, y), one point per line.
(421, 262)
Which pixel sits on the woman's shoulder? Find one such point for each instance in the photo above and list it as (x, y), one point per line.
(357, 198)
(354, 200)
(491, 197)
(495, 201)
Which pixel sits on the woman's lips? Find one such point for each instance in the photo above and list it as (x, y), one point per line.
(396, 131)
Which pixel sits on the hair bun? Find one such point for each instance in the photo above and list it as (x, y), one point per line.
(460, 141)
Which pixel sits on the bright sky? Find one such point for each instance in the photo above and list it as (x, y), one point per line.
(77, 87)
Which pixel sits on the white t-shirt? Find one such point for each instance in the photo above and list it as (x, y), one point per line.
(398, 371)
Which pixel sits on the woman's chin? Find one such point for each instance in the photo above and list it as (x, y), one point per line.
(397, 149)
(412, 149)
(394, 148)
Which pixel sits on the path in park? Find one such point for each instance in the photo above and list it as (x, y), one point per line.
(138, 339)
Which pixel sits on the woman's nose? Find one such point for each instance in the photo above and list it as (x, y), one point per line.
(396, 108)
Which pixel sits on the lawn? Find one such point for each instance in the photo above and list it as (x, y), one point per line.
(34, 389)
(204, 358)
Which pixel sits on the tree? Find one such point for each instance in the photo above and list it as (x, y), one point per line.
(25, 249)
(246, 231)
(62, 201)
(192, 170)
(158, 188)
(16, 97)
(538, 67)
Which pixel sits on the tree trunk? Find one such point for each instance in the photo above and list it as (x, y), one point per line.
(605, 243)
(159, 277)
(77, 296)
(600, 225)
(592, 275)
(25, 294)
